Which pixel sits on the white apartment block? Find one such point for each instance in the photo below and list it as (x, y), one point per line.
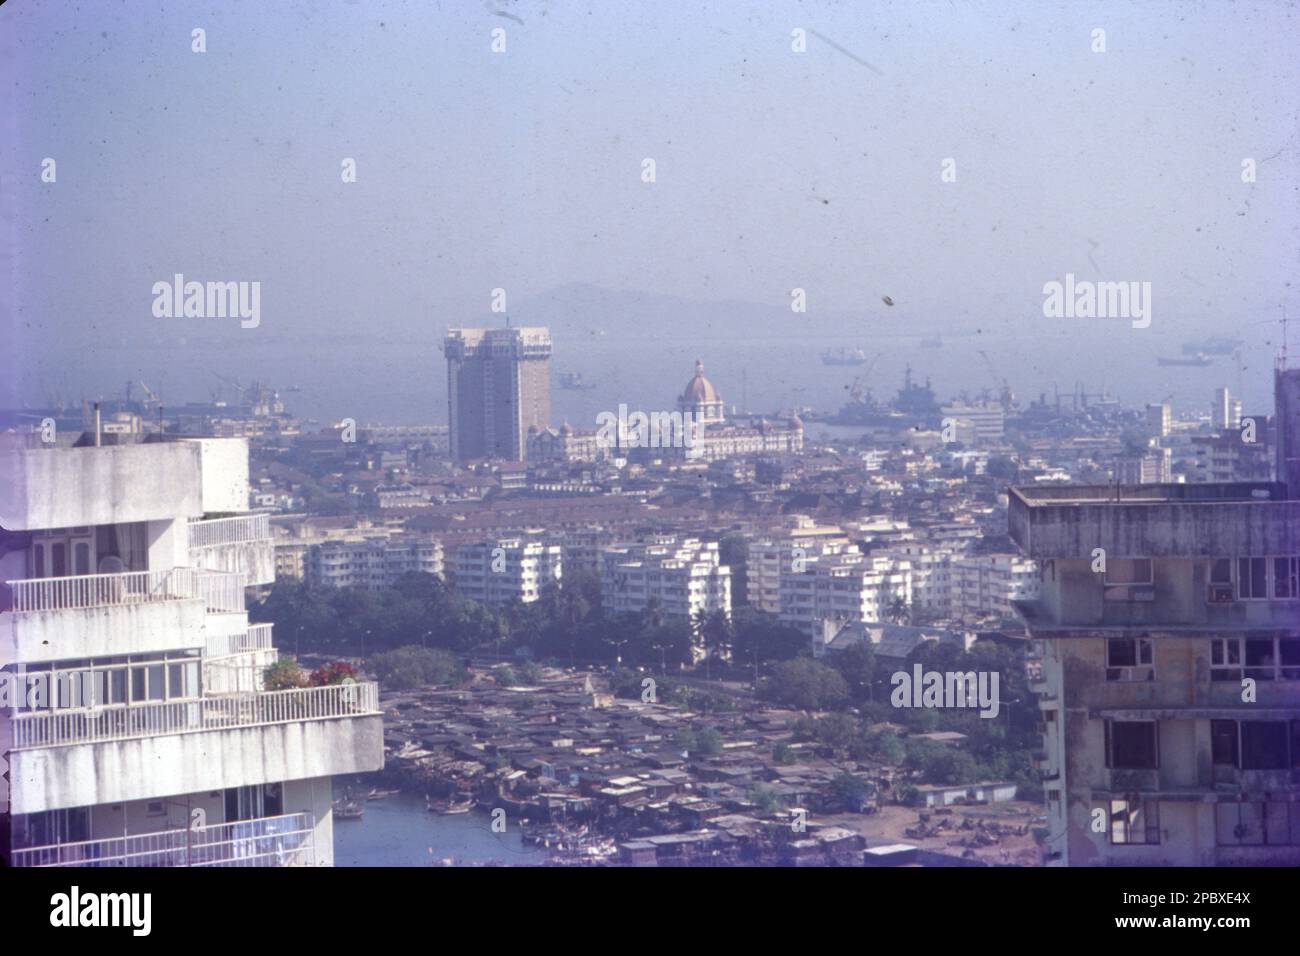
(844, 586)
(983, 584)
(685, 576)
(132, 717)
(373, 564)
(955, 584)
(498, 571)
(768, 557)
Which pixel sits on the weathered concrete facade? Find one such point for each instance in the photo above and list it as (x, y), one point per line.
(1168, 629)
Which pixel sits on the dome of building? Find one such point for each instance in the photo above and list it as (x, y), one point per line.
(700, 390)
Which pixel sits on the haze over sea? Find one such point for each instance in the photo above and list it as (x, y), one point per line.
(641, 350)
(822, 169)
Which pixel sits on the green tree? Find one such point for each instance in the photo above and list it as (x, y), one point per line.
(850, 792)
(806, 684)
(857, 665)
(413, 666)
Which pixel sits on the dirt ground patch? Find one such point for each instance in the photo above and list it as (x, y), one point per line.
(1000, 833)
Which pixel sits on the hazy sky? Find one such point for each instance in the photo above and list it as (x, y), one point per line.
(522, 169)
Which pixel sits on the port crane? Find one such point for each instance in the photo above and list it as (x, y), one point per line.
(1005, 396)
(858, 391)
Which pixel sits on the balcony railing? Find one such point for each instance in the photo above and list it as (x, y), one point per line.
(97, 725)
(214, 532)
(221, 590)
(286, 840)
(256, 638)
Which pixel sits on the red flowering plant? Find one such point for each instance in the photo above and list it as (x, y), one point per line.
(335, 672)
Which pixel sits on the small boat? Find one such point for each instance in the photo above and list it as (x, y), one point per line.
(377, 794)
(449, 806)
(348, 810)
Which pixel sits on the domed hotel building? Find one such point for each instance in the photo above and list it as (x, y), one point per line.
(715, 439)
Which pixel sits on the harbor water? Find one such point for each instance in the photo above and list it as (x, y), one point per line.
(398, 830)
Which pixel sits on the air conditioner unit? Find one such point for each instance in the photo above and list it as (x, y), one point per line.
(1220, 594)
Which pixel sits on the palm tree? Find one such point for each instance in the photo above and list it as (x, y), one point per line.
(899, 612)
(715, 632)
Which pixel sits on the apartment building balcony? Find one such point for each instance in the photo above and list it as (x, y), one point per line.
(70, 758)
(235, 663)
(242, 544)
(255, 637)
(93, 615)
(283, 840)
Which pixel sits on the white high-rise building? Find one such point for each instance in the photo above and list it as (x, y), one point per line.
(843, 586)
(768, 557)
(981, 584)
(498, 571)
(1160, 420)
(371, 563)
(685, 576)
(132, 715)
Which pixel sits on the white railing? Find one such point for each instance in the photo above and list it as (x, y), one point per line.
(223, 591)
(100, 724)
(214, 532)
(256, 638)
(286, 840)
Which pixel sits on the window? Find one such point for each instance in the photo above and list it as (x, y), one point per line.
(1261, 658)
(1128, 659)
(1286, 578)
(1221, 581)
(1225, 658)
(1134, 821)
(1223, 742)
(1252, 583)
(1132, 745)
(1264, 745)
(1128, 579)
(1289, 657)
(1264, 658)
(1128, 571)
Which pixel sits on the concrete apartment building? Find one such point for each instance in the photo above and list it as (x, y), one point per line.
(768, 557)
(1170, 681)
(373, 563)
(843, 586)
(685, 575)
(951, 583)
(500, 570)
(134, 725)
(499, 386)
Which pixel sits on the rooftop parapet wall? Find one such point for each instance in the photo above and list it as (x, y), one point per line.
(71, 487)
(64, 487)
(1154, 521)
